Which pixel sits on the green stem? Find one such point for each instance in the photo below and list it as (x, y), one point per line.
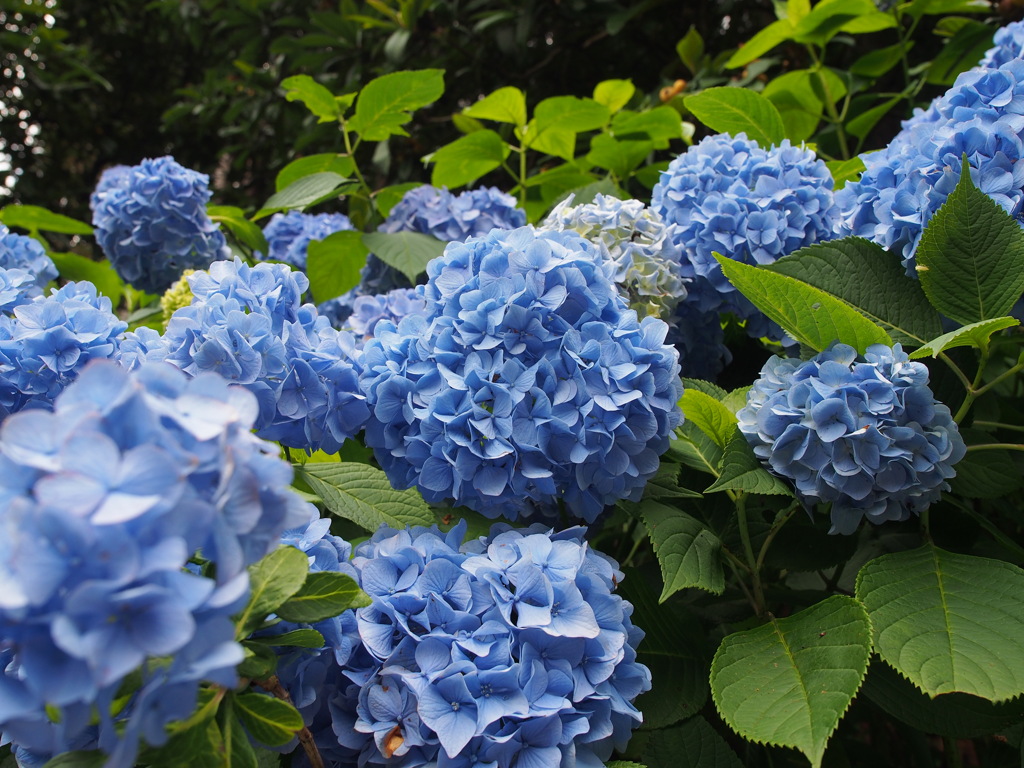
(993, 530)
(522, 177)
(1012, 371)
(995, 447)
(830, 106)
(273, 686)
(350, 150)
(755, 573)
(952, 749)
(781, 519)
(998, 425)
(638, 540)
(957, 370)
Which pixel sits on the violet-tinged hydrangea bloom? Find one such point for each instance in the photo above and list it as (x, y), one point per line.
(248, 324)
(527, 384)
(865, 434)
(151, 222)
(26, 254)
(289, 234)
(392, 306)
(1008, 45)
(47, 341)
(727, 195)
(506, 651)
(903, 185)
(103, 501)
(647, 260)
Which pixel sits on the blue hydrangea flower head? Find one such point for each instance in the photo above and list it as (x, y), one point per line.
(104, 500)
(507, 648)
(1008, 44)
(392, 306)
(864, 433)
(527, 385)
(728, 195)
(46, 341)
(289, 234)
(647, 260)
(151, 222)
(28, 255)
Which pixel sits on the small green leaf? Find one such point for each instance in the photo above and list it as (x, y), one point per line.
(318, 99)
(789, 682)
(665, 483)
(466, 159)
(239, 751)
(259, 661)
(385, 103)
(553, 140)
(690, 744)
(738, 110)
(614, 94)
(325, 594)
(792, 93)
(71, 266)
(388, 197)
(741, 471)
(948, 622)
(307, 166)
(80, 758)
(619, 157)
(571, 113)
(302, 192)
(624, 764)
(861, 125)
(975, 335)
(35, 219)
(844, 171)
(334, 264)
(270, 721)
(505, 105)
(697, 450)
(710, 416)
(688, 552)
(828, 17)
(272, 580)
(691, 49)
(775, 33)
(971, 256)
(363, 494)
(810, 315)
(297, 638)
(247, 233)
(408, 252)
(868, 278)
(659, 125)
(876, 63)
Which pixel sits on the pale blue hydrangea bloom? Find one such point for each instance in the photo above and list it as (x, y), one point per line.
(865, 434)
(1008, 45)
(104, 501)
(289, 234)
(509, 650)
(528, 384)
(26, 254)
(151, 222)
(392, 306)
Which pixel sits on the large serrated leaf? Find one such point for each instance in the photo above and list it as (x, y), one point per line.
(711, 416)
(691, 744)
(871, 280)
(505, 105)
(466, 159)
(272, 580)
(741, 471)
(696, 450)
(571, 113)
(363, 494)
(324, 595)
(408, 252)
(789, 682)
(738, 110)
(688, 552)
(334, 264)
(974, 335)
(302, 192)
(948, 622)
(385, 103)
(810, 315)
(270, 721)
(971, 256)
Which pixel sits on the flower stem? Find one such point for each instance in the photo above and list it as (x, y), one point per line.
(273, 686)
(755, 573)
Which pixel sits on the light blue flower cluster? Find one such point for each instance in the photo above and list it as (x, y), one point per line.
(1008, 45)
(640, 245)
(528, 384)
(289, 234)
(903, 185)
(25, 269)
(46, 342)
(151, 222)
(506, 651)
(865, 434)
(248, 325)
(392, 306)
(730, 196)
(106, 628)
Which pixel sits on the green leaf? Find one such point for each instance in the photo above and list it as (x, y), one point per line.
(674, 649)
(877, 62)
(270, 721)
(792, 93)
(259, 661)
(665, 483)
(624, 764)
(505, 105)
(239, 751)
(828, 17)
(710, 416)
(741, 471)
(385, 103)
(691, 744)
(201, 746)
(988, 474)
(868, 278)
(247, 233)
(388, 197)
(691, 49)
(408, 252)
(325, 594)
(318, 99)
(697, 450)
(466, 159)
(614, 94)
(272, 580)
(845, 170)
(35, 219)
(810, 315)
(363, 494)
(571, 113)
(302, 192)
(688, 552)
(71, 266)
(619, 157)
(334, 264)
(297, 638)
(552, 140)
(80, 758)
(307, 166)
(954, 715)
(961, 52)
(660, 125)
(870, 22)
(948, 622)
(738, 110)
(775, 33)
(975, 335)
(861, 125)
(789, 682)
(971, 256)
